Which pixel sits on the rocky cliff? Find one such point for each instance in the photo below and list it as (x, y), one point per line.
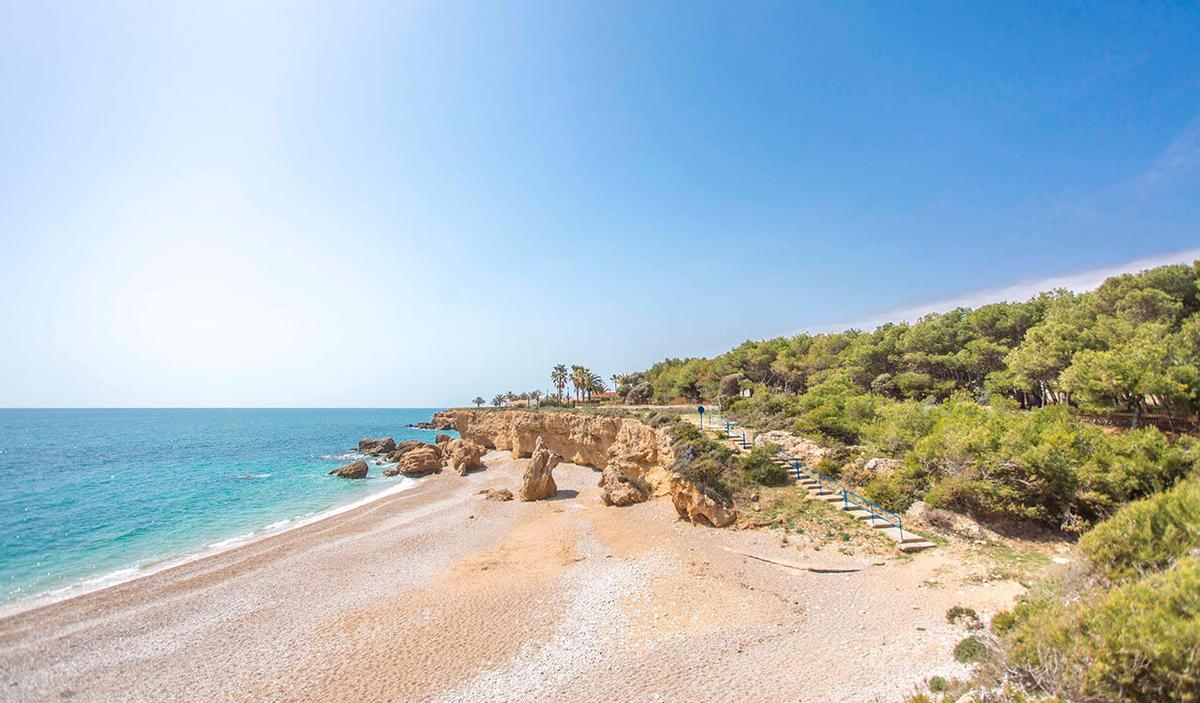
(638, 451)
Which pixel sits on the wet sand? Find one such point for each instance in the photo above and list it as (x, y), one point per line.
(436, 594)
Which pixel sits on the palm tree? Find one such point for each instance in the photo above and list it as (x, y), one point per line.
(510, 396)
(478, 401)
(616, 379)
(579, 380)
(559, 378)
(535, 396)
(595, 384)
(498, 400)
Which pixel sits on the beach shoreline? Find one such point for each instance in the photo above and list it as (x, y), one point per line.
(434, 593)
(137, 571)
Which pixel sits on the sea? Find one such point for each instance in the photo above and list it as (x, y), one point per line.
(90, 498)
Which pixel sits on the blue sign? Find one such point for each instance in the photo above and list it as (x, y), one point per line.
(700, 409)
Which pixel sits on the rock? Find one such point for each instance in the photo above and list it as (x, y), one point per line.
(922, 515)
(371, 447)
(401, 449)
(462, 456)
(426, 459)
(588, 440)
(441, 439)
(440, 421)
(617, 488)
(498, 495)
(880, 467)
(805, 450)
(538, 482)
(356, 470)
(699, 506)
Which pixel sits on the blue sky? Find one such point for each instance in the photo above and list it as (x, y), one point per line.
(390, 204)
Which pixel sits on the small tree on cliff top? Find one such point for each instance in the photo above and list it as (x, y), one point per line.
(498, 400)
(478, 401)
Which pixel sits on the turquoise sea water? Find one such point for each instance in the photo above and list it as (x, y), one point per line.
(89, 497)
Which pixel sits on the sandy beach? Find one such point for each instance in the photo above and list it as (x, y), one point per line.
(436, 594)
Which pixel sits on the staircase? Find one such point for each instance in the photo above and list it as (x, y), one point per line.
(823, 488)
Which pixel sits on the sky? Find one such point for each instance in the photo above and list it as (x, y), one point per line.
(408, 204)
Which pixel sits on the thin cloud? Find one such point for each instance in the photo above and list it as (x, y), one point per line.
(1181, 157)
(1024, 290)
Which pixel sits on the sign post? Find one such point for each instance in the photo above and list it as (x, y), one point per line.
(700, 410)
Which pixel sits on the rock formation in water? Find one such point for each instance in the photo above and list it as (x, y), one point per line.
(538, 482)
(371, 447)
(440, 421)
(356, 470)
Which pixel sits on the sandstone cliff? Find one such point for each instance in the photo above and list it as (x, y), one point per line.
(640, 451)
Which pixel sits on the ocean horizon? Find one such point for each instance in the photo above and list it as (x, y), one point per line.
(98, 496)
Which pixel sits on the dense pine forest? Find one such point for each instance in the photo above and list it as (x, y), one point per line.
(1001, 410)
(1130, 347)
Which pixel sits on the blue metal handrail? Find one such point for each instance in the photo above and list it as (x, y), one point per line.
(876, 510)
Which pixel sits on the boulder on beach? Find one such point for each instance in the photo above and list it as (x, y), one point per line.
(441, 439)
(356, 470)
(700, 506)
(618, 488)
(538, 481)
(462, 455)
(498, 495)
(401, 449)
(426, 459)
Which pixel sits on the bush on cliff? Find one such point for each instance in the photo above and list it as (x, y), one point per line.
(758, 467)
(702, 460)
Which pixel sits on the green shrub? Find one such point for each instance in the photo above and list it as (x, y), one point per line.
(1137, 642)
(703, 461)
(829, 467)
(1147, 535)
(937, 684)
(835, 410)
(970, 650)
(964, 616)
(758, 467)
